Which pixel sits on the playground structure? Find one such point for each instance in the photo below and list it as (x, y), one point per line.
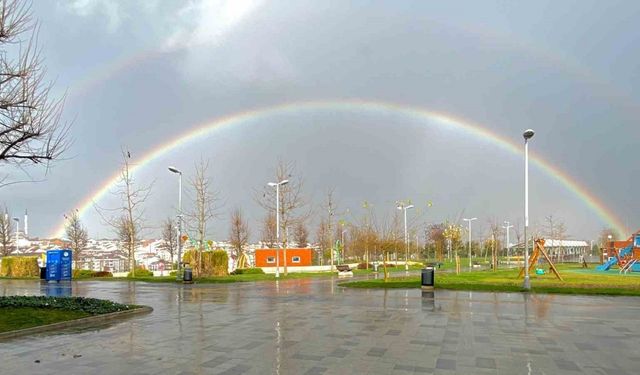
(624, 254)
(538, 250)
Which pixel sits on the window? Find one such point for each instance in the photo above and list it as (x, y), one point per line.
(295, 259)
(271, 259)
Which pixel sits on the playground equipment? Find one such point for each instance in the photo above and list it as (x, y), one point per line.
(538, 250)
(624, 254)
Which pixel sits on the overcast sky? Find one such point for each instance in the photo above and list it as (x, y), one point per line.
(139, 74)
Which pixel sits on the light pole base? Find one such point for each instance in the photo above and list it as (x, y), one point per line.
(406, 267)
(527, 283)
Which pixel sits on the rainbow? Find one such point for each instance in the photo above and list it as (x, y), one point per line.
(357, 106)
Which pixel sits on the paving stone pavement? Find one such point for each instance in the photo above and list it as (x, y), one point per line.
(315, 327)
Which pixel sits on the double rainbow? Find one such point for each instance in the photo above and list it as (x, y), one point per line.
(358, 106)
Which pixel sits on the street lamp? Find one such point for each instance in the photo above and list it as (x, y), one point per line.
(528, 134)
(277, 186)
(507, 227)
(17, 228)
(179, 220)
(470, 220)
(406, 236)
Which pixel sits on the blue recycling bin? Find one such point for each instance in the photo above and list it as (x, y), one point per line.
(59, 265)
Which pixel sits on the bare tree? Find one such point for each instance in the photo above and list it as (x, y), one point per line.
(77, 235)
(322, 238)
(555, 229)
(301, 235)
(495, 234)
(435, 235)
(6, 228)
(204, 206)
(330, 207)
(293, 205)
(31, 131)
(238, 232)
(127, 220)
(169, 237)
(268, 232)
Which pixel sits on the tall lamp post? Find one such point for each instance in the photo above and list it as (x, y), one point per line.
(179, 221)
(406, 235)
(507, 227)
(17, 228)
(277, 186)
(469, 221)
(528, 134)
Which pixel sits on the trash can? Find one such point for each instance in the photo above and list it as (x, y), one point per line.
(187, 275)
(428, 278)
(43, 273)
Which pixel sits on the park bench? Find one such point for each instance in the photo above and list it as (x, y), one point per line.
(343, 268)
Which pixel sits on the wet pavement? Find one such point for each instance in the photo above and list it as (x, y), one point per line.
(314, 327)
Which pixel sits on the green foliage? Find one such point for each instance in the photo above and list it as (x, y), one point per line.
(214, 263)
(88, 305)
(84, 274)
(248, 271)
(79, 274)
(19, 267)
(102, 274)
(141, 272)
(173, 273)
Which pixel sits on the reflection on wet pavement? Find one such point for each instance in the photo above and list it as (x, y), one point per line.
(313, 326)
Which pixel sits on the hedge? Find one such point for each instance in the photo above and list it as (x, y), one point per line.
(141, 272)
(248, 271)
(19, 267)
(214, 263)
(91, 306)
(79, 274)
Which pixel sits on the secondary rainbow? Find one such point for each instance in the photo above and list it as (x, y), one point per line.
(357, 106)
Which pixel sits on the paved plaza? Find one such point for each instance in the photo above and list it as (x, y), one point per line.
(315, 327)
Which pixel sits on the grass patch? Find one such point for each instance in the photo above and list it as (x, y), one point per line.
(576, 281)
(15, 318)
(19, 312)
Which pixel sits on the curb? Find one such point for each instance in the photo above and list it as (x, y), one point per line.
(75, 323)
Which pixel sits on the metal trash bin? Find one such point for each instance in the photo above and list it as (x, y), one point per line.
(428, 278)
(187, 275)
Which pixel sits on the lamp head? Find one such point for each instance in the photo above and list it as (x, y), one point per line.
(409, 207)
(174, 170)
(528, 134)
(284, 182)
(272, 184)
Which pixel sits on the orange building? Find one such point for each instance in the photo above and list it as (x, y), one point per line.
(295, 257)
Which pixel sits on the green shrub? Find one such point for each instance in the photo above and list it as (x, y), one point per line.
(79, 274)
(19, 267)
(102, 274)
(248, 271)
(214, 263)
(173, 273)
(141, 272)
(89, 305)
